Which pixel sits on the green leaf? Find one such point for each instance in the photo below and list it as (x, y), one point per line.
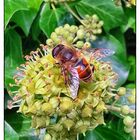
(13, 55)
(34, 4)
(20, 126)
(35, 29)
(9, 132)
(132, 62)
(50, 19)
(24, 19)
(130, 14)
(131, 85)
(12, 6)
(107, 11)
(67, 19)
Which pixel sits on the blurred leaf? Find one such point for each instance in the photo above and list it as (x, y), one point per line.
(24, 19)
(9, 132)
(12, 6)
(67, 19)
(35, 29)
(118, 60)
(34, 4)
(13, 54)
(131, 85)
(132, 62)
(19, 126)
(107, 11)
(130, 14)
(50, 19)
(122, 68)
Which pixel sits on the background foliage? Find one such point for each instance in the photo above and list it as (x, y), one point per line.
(29, 23)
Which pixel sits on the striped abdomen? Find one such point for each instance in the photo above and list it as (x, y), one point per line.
(84, 70)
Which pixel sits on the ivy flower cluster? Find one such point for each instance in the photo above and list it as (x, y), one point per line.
(43, 95)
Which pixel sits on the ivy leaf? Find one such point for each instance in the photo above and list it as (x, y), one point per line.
(24, 19)
(9, 132)
(34, 4)
(107, 11)
(130, 14)
(132, 74)
(18, 126)
(12, 6)
(35, 29)
(13, 55)
(50, 19)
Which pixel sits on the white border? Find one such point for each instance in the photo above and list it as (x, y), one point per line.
(138, 70)
(2, 69)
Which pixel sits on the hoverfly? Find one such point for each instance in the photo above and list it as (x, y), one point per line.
(74, 65)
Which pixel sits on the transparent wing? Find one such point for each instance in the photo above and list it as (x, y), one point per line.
(74, 82)
(99, 53)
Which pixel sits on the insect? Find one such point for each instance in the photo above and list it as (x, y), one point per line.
(74, 66)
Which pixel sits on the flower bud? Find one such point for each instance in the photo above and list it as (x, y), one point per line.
(99, 31)
(95, 101)
(80, 127)
(47, 108)
(122, 91)
(128, 129)
(57, 127)
(54, 102)
(128, 121)
(86, 111)
(49, 42)
(87, 44)
(80, 33)
(31, 109)
(70, 39)
(93, 37)
(95, 18)
(38, 105)
(131, 99)
(125, 109)
(66, 105)
(73, 29)
(53, 36)
(79, 44)
(66, 34)
(68, 124)
(40, 122)
(100, 107)
(73, 115)
(133, 92)
(47, 137)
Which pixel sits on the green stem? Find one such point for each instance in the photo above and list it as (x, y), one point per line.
(72, 12)
(75, 39)
(116, 100)
(118, 109)
(53, 7)
(77, 136)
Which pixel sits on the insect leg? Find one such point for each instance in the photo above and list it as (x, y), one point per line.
(64, 75)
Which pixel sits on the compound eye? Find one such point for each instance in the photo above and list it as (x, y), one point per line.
(67, 55)
(57, 50)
